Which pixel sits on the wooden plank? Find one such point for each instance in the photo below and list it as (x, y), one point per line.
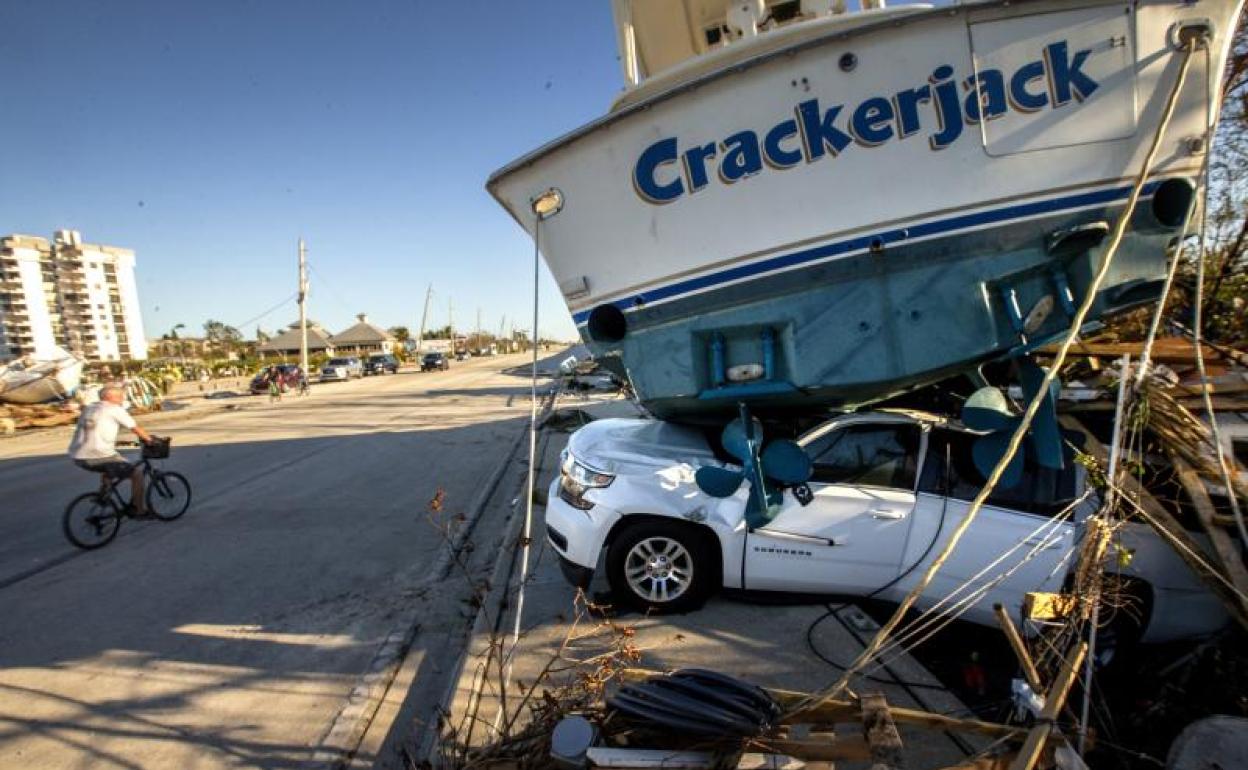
(1220, 404)
(882, 737)
(1165, 351)
(1038, 605)
(1224, 547)
(845, 748)
(1020, 650)
(643, 759)
(1054, 700)
(1168, 528)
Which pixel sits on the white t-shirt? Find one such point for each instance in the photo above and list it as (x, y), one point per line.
(97, 431)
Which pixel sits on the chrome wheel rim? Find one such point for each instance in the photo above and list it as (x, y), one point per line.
(659, 569)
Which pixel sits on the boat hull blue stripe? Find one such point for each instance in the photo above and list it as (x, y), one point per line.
(885, 237)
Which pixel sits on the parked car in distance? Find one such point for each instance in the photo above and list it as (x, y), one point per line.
(436, 360)
(381, 365)
(341, 369)
(461, 356)
(287, 376)
(887, 490)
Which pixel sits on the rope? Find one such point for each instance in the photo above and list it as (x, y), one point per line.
(1016, 439)
(1179, 546)
(934, 613)
(923, 629)
(1206, 396)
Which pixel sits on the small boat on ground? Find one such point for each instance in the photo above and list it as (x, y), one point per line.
(795, 205)
(31, 381)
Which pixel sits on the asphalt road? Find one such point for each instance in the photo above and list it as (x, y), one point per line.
(230, 638)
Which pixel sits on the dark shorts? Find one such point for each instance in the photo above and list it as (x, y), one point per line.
(113, 467)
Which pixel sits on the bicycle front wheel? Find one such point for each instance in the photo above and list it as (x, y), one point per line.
(168, 495)
(90, 521)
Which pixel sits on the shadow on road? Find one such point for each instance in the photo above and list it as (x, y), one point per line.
(232, 635)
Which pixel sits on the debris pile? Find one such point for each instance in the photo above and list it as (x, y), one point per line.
(15, 417)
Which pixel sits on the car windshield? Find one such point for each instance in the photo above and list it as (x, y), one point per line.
(339, 362)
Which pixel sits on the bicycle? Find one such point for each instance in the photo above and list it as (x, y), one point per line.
(93, 519)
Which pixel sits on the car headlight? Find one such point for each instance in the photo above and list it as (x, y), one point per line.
(575, 479)
(582, 474)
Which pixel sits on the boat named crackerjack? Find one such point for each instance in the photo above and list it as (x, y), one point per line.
(791, 204)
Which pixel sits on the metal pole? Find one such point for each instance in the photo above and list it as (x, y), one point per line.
(303, 309)
(424, 316)
(1115, 449)
(532, 477)
(450, 324)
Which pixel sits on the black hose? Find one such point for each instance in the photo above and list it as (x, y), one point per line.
(810, 630)
(700, 702)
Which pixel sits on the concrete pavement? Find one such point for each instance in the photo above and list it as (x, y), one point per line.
(769, 641)
(231, 637)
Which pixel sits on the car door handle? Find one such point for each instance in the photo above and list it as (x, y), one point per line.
(1045, 543)
(887, 513)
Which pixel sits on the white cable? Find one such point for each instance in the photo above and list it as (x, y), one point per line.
(906, 648)
(931, 615)
(1178, 545)
(1197, 310)
(1052, 521)
(1024, 424)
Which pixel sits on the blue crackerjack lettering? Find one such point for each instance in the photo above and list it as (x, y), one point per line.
(667, 170)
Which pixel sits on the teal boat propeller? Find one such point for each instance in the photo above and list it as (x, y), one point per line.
(782, 461)
(988, 410)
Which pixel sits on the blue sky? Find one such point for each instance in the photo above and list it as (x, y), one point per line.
(210, 136)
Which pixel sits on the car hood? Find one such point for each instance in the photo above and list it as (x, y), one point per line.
(620, 445)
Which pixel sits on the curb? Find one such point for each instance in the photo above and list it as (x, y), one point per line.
(498, 598)
(341, 740)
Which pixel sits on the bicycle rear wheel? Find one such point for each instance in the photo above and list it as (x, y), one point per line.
(90, 521)
(168, 495)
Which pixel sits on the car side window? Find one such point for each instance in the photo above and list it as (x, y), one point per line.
(949, 470)
(867, 455)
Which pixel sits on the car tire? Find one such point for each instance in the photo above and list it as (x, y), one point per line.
(647, 561)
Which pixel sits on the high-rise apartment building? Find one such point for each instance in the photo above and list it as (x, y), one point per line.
(79, 296)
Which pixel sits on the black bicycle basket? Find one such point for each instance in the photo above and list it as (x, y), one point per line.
(157, 448)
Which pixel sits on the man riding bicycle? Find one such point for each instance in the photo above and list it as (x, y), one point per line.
(93, 445)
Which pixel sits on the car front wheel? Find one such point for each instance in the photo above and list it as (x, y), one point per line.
(659, 567)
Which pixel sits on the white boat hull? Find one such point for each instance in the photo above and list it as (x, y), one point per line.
(828, 190)
(52, 381)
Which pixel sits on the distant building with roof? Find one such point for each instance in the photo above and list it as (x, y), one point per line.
(287, 343)
(362, 339)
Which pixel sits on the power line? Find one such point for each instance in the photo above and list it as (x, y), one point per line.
(322, 281)
(273, 309)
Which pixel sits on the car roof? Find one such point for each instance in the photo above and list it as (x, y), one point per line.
(884, 417)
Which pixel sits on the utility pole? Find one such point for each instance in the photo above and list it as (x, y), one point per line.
(303, 309)
(450, 324)
(424, 316)
(477, 333)
(499, 339)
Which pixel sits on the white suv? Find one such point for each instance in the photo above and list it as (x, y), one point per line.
(887, 491)
(342, 369)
